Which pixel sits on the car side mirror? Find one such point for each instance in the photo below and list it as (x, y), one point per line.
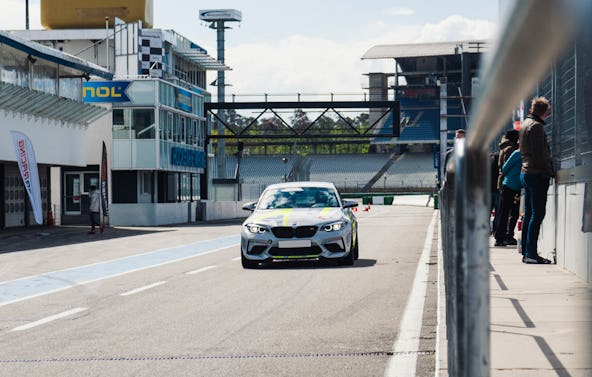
(249, 206)
(350, 204)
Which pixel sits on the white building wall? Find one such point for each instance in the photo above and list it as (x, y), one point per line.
(56, 194)
(151, 214)
(54, 142)
(98, 131)
(562, 230)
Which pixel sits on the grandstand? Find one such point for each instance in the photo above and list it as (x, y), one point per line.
(420, 120)
(350, 173)
(411, 170)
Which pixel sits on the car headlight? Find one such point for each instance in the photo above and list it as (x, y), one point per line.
(333, 226)
(256, 229)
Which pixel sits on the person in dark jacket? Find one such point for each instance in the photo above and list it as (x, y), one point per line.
(507, 146)
(536, 173)
(495, 194)
(509, 200)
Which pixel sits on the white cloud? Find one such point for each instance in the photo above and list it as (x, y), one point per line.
(454, 28)
(296, 64)
(301, 64)
(400, 11)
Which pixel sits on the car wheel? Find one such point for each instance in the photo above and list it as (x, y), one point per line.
(349, 259)
(248, 264)
(356, 248)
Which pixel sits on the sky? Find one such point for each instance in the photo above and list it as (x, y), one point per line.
(306, 46)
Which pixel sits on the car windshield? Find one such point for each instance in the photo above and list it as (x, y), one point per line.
(298, 197)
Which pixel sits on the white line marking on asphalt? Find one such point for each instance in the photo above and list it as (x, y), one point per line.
(103, 277)
(439, 304)
(141, 289)
(236, 259)
(200, 270)
(404, 361)
(49, 319)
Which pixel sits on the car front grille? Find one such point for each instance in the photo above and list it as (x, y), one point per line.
(295, 251)
(290, 232)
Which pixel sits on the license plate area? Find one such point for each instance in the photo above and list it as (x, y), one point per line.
(294, 244)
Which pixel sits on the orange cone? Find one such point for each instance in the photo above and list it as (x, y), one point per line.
(50, 220)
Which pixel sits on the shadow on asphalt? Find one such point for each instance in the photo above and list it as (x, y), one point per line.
(43, 237)
(288, 265)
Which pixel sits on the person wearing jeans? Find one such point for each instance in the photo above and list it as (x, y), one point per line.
(535, 201)
(510, 200)
(537, 170)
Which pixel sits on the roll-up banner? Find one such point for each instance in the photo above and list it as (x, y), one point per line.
(104, 183)
(25, 156)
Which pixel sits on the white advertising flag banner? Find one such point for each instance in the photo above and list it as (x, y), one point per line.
(25, 156)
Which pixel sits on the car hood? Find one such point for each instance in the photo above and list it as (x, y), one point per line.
(295, 216)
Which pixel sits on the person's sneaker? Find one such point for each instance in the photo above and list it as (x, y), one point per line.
(536, 260)
(511, 241)
(91, 232)
(499, 243)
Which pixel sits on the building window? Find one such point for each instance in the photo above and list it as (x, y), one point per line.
(146, 185)
(195, 187)
(185, 187)
(172, 190)
(121, 124)
(143, 123)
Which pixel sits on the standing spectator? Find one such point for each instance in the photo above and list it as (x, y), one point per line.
(458, 134)
(510, 200)
(94, 208)
(537, 170)
(495, 194)
(507, 145)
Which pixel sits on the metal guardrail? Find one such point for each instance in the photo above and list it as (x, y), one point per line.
(534, 35)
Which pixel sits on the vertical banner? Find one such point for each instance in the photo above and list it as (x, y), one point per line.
(25, 156)
(104, 183)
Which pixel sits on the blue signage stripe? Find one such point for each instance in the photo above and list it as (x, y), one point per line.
(21, 289)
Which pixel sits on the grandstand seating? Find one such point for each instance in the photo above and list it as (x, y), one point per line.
(412, 170)
(349, 172)
(420, 119)
(265, 170)
(346, 171)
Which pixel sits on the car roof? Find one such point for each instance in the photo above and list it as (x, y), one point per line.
(301, 184)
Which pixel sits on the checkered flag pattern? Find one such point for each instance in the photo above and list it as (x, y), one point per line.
(151, 54)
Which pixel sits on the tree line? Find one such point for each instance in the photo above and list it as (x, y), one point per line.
(274, 134)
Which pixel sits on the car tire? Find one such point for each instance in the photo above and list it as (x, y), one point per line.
(356, 248)
(349, 259)
(248, 264)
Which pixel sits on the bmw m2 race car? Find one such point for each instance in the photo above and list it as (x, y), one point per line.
(299, 221)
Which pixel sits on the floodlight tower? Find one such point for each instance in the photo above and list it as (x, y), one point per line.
(217, 19)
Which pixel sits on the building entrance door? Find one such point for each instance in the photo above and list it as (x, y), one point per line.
(72, 194)
(76, 188)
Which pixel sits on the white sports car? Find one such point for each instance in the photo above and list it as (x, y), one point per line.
(299, 221)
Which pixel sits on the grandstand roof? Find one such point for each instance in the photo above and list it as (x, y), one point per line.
(412, 50)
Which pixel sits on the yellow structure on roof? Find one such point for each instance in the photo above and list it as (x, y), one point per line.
(90, 14)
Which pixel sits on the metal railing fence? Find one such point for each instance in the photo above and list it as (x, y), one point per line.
(533, 37)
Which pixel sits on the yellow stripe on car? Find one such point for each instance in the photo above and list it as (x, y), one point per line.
(284, 212)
